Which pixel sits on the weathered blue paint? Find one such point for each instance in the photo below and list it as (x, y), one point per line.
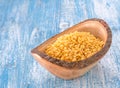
(24, 24)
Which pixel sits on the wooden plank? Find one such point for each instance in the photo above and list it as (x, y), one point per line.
(26, 23)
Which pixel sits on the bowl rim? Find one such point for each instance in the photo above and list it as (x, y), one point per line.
(82, 63)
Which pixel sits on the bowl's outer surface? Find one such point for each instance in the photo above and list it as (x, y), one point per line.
(62, 72)
(70, 70)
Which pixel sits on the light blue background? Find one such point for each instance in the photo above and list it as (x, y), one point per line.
(24, 24)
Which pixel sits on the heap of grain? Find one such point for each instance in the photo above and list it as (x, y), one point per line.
(75, 46)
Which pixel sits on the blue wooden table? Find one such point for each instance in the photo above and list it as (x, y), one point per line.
(24, 24)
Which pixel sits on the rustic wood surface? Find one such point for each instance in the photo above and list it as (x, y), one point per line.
(24, 24)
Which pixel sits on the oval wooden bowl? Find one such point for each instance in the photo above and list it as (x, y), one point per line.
(70, 70)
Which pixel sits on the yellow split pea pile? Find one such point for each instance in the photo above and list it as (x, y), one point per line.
(75, 46)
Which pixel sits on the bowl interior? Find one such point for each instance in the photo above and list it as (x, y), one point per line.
(97, 27)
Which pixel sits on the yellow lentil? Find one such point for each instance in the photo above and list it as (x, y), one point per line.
(74, 46)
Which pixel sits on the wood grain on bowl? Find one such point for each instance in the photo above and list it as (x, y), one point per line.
(70, 70)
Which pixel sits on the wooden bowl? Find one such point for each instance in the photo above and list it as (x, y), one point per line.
(70, 70)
